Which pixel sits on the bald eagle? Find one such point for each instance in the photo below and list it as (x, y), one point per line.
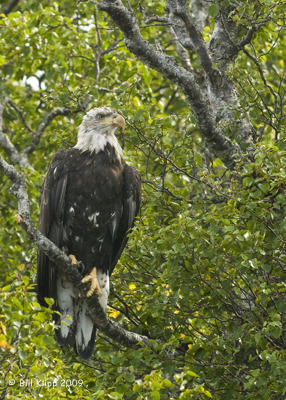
(89, 202)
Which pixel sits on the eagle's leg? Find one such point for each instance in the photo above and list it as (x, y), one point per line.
(94, 284)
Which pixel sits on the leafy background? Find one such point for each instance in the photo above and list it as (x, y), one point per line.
(205, 266)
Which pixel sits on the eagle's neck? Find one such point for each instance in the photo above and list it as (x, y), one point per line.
(95, 141)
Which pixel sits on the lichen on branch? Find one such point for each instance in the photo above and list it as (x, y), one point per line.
(126, 20)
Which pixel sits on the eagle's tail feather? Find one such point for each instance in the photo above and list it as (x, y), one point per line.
(65, 304)
(85, 333)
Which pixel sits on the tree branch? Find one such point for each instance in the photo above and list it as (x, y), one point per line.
(21, 115)
(9, 7)
(181, 50)
(196, 41)
(22, 158)
(200, 10)
(7, 145)
(261, 73)
(223, 44)
(49, 117)
(61, 260)
(221, 145)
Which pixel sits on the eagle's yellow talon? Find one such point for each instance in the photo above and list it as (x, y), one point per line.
(19, 219)
(94, 284)
(73, 260)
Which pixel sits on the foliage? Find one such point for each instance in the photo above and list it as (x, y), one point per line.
(205, 267)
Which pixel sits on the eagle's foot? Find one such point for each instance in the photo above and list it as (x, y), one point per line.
(94, 284)
(19, 219)
(73, 260)
(77, 263)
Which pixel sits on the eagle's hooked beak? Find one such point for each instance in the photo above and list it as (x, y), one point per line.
(119, 121)
(115, 119)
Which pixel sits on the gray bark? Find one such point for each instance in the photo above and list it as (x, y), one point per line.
(213, 98)
(200, 12)
(126, 20)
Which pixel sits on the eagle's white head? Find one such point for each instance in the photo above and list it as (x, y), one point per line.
(98, 128)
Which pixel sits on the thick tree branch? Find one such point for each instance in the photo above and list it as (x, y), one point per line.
(106, 325)
(224, 45)
(196, 42)
(200, 10)
(128, 24)
(248, 37)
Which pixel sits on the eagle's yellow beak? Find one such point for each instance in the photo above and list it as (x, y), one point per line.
(119, 121)
(116, 119)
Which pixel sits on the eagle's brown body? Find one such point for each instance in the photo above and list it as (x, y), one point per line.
(89, 203)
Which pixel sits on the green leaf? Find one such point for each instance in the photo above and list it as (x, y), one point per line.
(155, 395)
(213, 10)
(49, 301)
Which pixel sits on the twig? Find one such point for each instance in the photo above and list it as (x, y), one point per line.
(161, 154)
(21, 115)
(162, 189)
(181, 50)
(49, 117)
(98, 51)
(266, 84)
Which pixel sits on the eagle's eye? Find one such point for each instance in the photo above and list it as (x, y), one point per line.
(100, 116)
